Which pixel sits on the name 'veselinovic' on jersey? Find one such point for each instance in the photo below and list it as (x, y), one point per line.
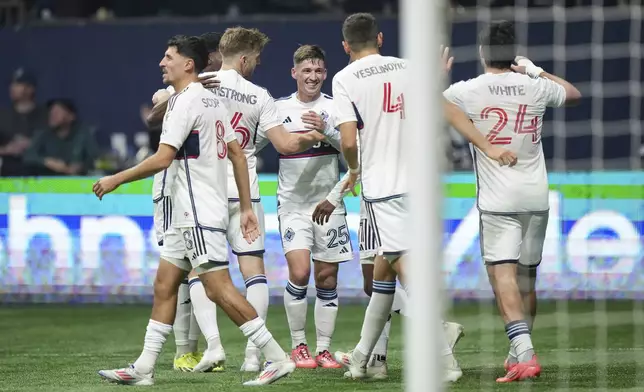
(197, 124)
(372, 92)
(307, 177)
(508, 108)
(252, 112)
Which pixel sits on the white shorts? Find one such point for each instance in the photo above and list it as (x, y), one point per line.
(162, 217)
(329, 242)
(195, 248)
(367, 238)
(389, 218)
(513, 238)
(236, 239)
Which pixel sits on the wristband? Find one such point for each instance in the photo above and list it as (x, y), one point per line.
(354, 171)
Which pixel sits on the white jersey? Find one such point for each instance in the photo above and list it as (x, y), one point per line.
(307, 177)
(252, 112)
(508, 108)
(371, 91)
(196, 124)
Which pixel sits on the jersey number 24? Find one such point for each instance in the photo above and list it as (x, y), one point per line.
(519, 127)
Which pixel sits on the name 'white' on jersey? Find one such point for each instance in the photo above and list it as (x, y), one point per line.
(252, 112)
(371, 91)
(508, 108)
(197, 125)
(307, 177)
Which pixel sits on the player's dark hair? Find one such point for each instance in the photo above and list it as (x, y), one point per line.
(193, 48)
(211, 40)
(360, 31)
(308, 52)
(498, 44)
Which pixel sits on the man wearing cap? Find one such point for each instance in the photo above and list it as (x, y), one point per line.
(19, 122)
(64, 147)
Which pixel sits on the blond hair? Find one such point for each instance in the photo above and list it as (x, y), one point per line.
(308, 52)
(238, 40)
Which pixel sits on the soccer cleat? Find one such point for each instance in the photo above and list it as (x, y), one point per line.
(127, 376)
(273, 372)
(522, 371)
(356, 369)
(508, 364)
(302, 357)
(453, 333)
(186, 362)
(212, 361)
(250, 365)
(377, 367)
(452, 371)
(326, 361)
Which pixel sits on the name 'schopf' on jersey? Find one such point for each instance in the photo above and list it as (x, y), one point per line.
(197, 125)
(508, 108)
(305, 178)
(371, 91)
(252, 112)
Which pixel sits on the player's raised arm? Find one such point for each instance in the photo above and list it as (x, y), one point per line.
(562, 93)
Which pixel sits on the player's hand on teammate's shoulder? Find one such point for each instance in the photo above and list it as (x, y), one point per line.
(322, 212)
(501, 155)
(104, 186)
(209, 80)
(446, 59)
(313, 121)
(249, 226)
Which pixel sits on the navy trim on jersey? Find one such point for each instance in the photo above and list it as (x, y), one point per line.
(192, 198)
(374, 224)
(251, 253)
(283, 98)
(190, 147)
(236, 200)
(358, 116)
(213, 229)
(255, 135)
(327, 96)
(386, 198)
(165, 174)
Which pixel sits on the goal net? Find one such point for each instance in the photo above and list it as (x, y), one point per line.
(588, 331)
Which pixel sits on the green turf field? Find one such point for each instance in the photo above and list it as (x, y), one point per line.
(59, 348)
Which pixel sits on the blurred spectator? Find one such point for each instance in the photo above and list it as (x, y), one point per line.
(19, 122)
(65, 147)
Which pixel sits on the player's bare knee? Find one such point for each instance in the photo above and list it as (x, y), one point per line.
(299, 267)
(502, 273)
(326, 275)
(526, 279)
(164, 289)
(251, 265)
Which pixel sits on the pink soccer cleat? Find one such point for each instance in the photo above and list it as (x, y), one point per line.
(325, 360)
(522, 371)
(302, 357)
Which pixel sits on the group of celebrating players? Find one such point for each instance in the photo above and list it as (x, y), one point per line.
(206, 196)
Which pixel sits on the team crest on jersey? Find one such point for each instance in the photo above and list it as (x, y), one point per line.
(289, 234)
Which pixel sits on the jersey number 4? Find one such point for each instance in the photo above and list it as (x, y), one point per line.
(242, 131)
(393, 104)
(520, 127)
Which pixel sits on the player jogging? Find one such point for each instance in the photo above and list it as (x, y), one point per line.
(197, 133)
(186, 323)
(303, 179)
(369, 99)
(513, 202)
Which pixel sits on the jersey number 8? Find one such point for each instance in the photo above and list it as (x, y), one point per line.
(222, 147)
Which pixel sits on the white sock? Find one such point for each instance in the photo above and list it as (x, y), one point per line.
(519, 335)
(205, 313)
(155, 336)
(400, 302)
(376, 316)
(295, 305)
(326, 312)
(257, 296)
(194, 333)
(255, 330)
(181, 325)
(382, 344)
(446, 349)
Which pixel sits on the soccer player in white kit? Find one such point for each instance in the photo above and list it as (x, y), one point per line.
(186, 323)
(369, 99)
(508, 107)
(197, 133)
(303, 179)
